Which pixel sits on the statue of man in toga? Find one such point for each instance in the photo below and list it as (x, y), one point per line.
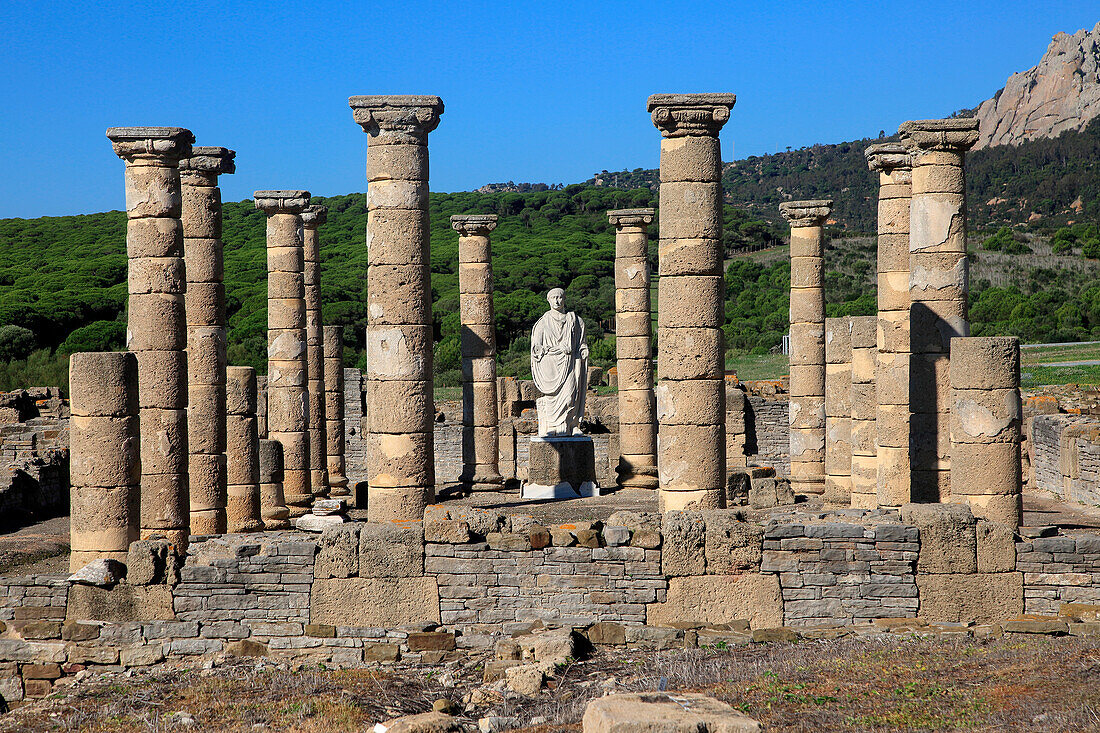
(559, 364)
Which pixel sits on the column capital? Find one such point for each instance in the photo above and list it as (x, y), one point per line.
(806, 213)
(955, 134)
(211, 160)
(151, 143)
(888, 157)
(314, 216)
(680, 115)
(473, 225)
(630, 217)
(281, 202)
(414, 114)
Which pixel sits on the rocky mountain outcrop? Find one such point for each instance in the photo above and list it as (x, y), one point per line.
(1062, 92)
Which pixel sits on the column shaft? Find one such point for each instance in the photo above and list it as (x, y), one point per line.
(838, 411)
(242, 452)
(334, 410)
(312, 218)
(400, 405)
(691, 394)
(864, 404)
(104, 465)
(156, 327)
(273, 507)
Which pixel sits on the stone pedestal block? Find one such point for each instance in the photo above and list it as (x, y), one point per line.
(561, 467)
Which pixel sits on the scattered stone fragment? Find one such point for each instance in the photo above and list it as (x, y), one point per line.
(104, 573)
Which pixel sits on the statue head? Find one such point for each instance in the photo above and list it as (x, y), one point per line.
(556, 299)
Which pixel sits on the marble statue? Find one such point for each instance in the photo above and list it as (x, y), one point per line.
(559, 364)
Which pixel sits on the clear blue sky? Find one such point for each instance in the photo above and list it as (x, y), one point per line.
(534, 91)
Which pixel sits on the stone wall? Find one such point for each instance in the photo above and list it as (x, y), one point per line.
(34, 449)
(1065, 456)
(766, 421)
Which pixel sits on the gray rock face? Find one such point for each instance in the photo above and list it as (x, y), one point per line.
(1062, 92)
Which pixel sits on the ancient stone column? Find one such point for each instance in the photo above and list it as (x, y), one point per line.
(104, 463)
(937, 291)
(480, 449)
(156, 329)
(312, 218)
(838, 411)
(206, 344)
(985, 427)
(400, 407)
(273, 507)
(334, 410)
(892, 162)
(691, 394)
(864, 409)
(242, 452)
(287, 370)
(807, 343)
(637, 466)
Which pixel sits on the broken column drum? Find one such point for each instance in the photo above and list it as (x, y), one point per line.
(104, 467)
(400, 407)
(334, 410)
(287, 371)
(864, 404)
(937, 290)
(206, 342)
(838, 411)
(312, 218)
(273, 507)
(985, 427)
(892, 162)
(242, 452)
(637, 467)
(156, 329)
(691, 395)
(807, 343)
(480, 442)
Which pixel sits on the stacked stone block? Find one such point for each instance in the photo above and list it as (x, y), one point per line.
(273, 508)
(157, 327)
(334, 410)
(104, 464)
(838, 411)
(892, 162)
(312, 218)
(986, 416)
(242, 452)
(691, 293)
(637, 463)
(206, 341)
(400, 408)
(480, 433)
(287, 356)
(938, 274)
(864, 428)
(807, 343)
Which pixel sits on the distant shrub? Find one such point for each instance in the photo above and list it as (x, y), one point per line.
(96, 336)
(16, 342)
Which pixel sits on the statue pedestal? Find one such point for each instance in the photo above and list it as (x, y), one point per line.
(561, 467)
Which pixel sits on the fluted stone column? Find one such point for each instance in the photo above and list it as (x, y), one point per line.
(937, 290)
(838, 411)
(206, 343)
(691, 394)
(334, 410)
(400, 407)
(807, 343)
(104, 463)
(156, 329)
(480, 442)
(312, 218)
(892, 162)
(242, 454)
(637, 466)
(985, 427)
(864, 409)
(287, 404)
(272, 505)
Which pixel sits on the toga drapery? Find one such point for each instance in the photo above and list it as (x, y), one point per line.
(560, 371)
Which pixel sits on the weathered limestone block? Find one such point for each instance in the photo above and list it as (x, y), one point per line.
(732, 545)
(665, 713)
(391, 550)
(374, 602)
(979, 597)
(996, 547)
(684, 550)
(338, 552)
(720, 599)
(948, 543)
(120, 604)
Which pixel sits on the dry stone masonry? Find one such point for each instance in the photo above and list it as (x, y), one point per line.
(287, 370)
(156, 330)
(807, 350)
(400, 410)
(691, 290)
(242, 452)
(637, 467)
(480, 432)
(334, 410)
(206, 341)
(312, 218)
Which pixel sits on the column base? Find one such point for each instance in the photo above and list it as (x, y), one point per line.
(812, 485)
(634, 474)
